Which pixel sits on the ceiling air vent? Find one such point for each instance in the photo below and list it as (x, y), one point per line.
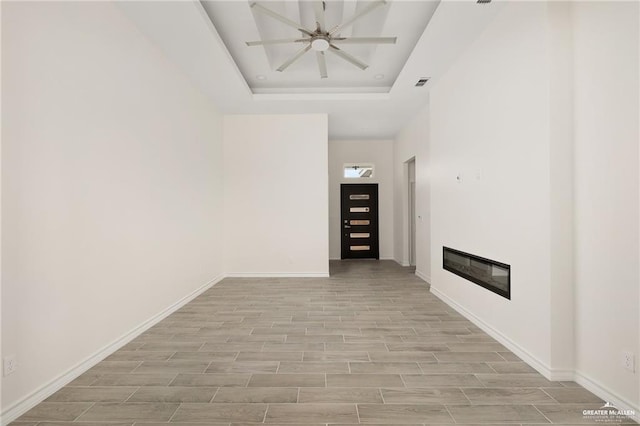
(422, 82)
(483, 1)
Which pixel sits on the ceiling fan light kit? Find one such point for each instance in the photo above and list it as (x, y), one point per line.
(322, 40)
(320, 43)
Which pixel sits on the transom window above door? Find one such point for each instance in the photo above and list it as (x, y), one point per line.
(356, 171)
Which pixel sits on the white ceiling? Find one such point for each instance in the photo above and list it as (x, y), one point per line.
(404, 20)
(186, 34)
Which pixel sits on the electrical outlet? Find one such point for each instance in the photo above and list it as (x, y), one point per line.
(629, 361)
(9, 365)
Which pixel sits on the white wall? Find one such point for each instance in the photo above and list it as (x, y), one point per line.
(561, 293)
(540, 119)
(380, 154)
(413, 142)
(111, 186)
(490, 124)
(606, 177)
(1, 352)
(276, 194)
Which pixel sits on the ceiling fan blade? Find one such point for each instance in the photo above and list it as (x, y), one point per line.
(294, 58)
(318, 10)
(347, 57)
(365, 40)
(278, 41)
(322, 64)
(280, 18)
(357, 16)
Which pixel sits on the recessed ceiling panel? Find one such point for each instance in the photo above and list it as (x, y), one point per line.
(300, 63)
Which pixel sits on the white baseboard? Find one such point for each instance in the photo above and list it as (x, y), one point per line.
(278, 275)
(582, 379)
(401, 262)
(382, 258)
(36, 397)
(527, 357)
(423, 276)
(606, 394)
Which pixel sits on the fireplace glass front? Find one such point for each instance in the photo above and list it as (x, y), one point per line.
(490, 274)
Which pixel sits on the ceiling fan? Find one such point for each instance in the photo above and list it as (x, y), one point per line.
(321, 39)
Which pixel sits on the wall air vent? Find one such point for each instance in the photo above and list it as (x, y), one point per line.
(483, 1)
(422, 82)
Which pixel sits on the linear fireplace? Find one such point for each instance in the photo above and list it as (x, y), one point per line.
(487, 273)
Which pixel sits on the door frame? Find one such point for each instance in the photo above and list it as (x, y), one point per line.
(411, 210)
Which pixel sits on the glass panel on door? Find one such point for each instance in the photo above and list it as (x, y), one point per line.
(359, 209)
(359, 196)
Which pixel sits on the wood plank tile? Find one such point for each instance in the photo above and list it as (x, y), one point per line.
(114, 367)
(312, 413)
(129, 412)
(335, 356)
(409, 356)
(468, 357)
(355, 347)
(157, 379)
(92, 394)
(516, 380)
(364, 380)
(293, 347)
(171, 346)
(313, 367)
(130, 423)
(504, 396)
(511, 367)
(455, 367)
(340, 395)
(151, 367)
(385, 367)
(270, 356)
(211, 380)
(243, 367)
(204, 356)
(403, 413)
(220, 413)
(572, 395)
(55, 411)
(440, 380)
(256, 395)
(287, 380)
(478, 414)
(417, 347)
(140, 356)
(173, 394)
(428, 396)
(476, 347)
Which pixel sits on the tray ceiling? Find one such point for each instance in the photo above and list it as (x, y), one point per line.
(237, 23)
(184, 32)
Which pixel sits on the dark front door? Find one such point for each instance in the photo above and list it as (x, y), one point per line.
(359, 221)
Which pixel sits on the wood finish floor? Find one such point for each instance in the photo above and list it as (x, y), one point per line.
(369, 345)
